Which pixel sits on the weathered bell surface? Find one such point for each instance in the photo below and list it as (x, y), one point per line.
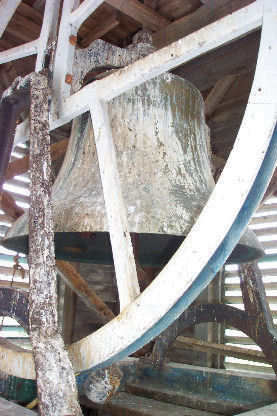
(159, 134)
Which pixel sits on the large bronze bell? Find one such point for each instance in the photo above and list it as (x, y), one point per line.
(159, 134)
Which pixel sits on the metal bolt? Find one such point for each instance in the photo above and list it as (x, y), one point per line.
(73, 40)
(68, 79)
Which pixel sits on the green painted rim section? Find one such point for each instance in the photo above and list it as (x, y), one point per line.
(20, 390)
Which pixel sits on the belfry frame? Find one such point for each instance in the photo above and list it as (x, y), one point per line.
(195, 263)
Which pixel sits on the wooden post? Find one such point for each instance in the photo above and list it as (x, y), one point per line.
(56, 386)
(69, 311)
(124, 261)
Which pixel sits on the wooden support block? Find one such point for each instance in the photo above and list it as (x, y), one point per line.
(102, 384)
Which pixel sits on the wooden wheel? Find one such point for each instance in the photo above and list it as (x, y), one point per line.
(247, 172)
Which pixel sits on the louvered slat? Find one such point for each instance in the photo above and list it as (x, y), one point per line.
(267, 234)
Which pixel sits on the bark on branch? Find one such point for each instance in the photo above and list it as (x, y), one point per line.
(56, 384)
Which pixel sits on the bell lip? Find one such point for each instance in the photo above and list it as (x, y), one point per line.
(248, 249)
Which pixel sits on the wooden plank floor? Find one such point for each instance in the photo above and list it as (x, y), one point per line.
(11, 409)
(263, 411)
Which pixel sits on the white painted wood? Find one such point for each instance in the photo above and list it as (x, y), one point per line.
(79, 15)
(22, 132)
(64, 55)
(7, 9)
(48, 30)
(47, 34)
(204, 40)
(16, 361)
(18, 52)
(125, 268)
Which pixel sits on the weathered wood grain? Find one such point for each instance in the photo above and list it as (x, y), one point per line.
(213, 10)
(140, 12)
(56, 385)
(217, 93)
(226, 350)
(86, 293)
(101, 29)
(19, 166)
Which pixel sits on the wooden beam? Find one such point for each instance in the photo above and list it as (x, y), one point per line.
(82, 12)
(141, 13)
(212, 11)
(5, 218)
(19, 285)
(24, 29)
(19, 197)
(195, 3)
(9, 206)
(238, 57)
(83, 290)
(102, 28)
(7, 9)
(211, 37)
(123, 256)
(217, 93)
(223, 349)
(8, 73)
(152, 4)
(19, 166)
(69, 311)
(30, 13)
(27, 49)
